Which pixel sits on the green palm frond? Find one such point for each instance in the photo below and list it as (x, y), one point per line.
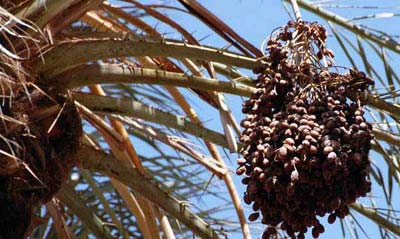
(150, 165)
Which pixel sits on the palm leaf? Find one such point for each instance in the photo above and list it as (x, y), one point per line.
(146, 173)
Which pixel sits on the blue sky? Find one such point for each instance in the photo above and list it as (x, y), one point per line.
(254, 20)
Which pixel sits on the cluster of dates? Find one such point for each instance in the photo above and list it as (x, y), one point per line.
(306, 143)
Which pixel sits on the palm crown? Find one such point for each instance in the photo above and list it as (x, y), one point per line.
(85, 85)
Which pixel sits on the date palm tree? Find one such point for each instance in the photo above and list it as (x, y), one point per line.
(98, 141)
